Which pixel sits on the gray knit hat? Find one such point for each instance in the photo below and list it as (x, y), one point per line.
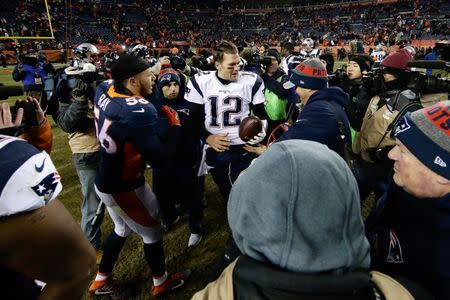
(426, 134)
(297, 207)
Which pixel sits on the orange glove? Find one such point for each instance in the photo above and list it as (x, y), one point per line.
(172, 115)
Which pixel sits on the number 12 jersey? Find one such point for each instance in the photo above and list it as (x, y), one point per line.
(225, 104)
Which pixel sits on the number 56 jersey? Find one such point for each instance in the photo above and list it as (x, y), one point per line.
(126, 133)
(225, 104)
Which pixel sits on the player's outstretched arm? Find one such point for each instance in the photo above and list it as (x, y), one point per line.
(47, 244)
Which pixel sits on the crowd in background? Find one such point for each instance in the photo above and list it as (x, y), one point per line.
(158, 25)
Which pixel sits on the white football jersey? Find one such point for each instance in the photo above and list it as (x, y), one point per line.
(225, 104)
(310, 54)
(28, 178)
(378, 56)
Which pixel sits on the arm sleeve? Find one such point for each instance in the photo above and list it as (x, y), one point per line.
(197, 118)
(258, 91)
(276, 87)
(356, 110)
(193, 92)
(72, 117)
(259, 110)
(41, 137)
(156, 153)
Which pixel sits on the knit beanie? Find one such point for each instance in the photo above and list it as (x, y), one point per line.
(297, 207)
(397, 62)
(166, 76)
(309, 74)
(364, 61)
(127, 66)
(426, 134)
(274, 53)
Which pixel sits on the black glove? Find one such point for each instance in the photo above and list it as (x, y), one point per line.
(79, 92)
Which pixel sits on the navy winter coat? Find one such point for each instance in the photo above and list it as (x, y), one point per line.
(319, 122)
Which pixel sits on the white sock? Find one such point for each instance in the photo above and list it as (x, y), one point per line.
(101, 276)
(159, 280)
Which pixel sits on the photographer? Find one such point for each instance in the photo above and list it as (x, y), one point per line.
(76, 117)
(35, 228)
(352, 81)
(372, 142)
(31, 71)
(276, 96)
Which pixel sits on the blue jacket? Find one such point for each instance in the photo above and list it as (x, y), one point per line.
(411, 237)
(30, 74)
(318, 121)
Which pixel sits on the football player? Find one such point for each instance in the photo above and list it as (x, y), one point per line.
(179, 181)
(308, 50)
(125, 124)
(220, 100)
(378, 55)
(39, 239)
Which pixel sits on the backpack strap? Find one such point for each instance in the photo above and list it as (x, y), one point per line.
(348, 153)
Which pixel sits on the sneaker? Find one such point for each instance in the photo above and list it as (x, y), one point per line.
(172, 282)
(194, 239)
(104, 287)
(98, 256)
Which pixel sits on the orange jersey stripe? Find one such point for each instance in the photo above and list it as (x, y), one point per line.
(134, 165)
(130, 203)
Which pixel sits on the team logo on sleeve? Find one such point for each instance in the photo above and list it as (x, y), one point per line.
(47, 186)
(187, 91)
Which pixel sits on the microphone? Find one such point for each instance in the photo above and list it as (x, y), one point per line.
(429, 64)
(8, 91)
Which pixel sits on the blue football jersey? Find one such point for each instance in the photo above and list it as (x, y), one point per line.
(28, 178)
(127, 136)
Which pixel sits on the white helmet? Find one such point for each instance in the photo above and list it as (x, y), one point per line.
(309, 42)
(84, 49)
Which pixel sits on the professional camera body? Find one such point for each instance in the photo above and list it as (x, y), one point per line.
(423, 83)
(82, 68)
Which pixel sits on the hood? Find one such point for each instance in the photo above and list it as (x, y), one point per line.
(297, 207)
(332, 93)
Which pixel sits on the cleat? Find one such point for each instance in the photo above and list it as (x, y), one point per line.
(194, 239)
(172, 282)
(104, 287)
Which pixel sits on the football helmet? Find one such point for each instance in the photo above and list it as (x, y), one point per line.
(85, 50)
(309, 43)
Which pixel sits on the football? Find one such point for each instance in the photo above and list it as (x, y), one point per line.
(249, 127)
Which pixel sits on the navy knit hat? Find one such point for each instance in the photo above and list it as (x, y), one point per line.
(310, 74)
(426, 134)
(166, 76)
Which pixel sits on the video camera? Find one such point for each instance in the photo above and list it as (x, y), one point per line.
(257, 59)
(29, 111)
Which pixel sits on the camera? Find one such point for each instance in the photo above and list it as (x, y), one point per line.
(177, 62)
(339, 77)
(257, 59)
(423, 83)
(29, 111)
